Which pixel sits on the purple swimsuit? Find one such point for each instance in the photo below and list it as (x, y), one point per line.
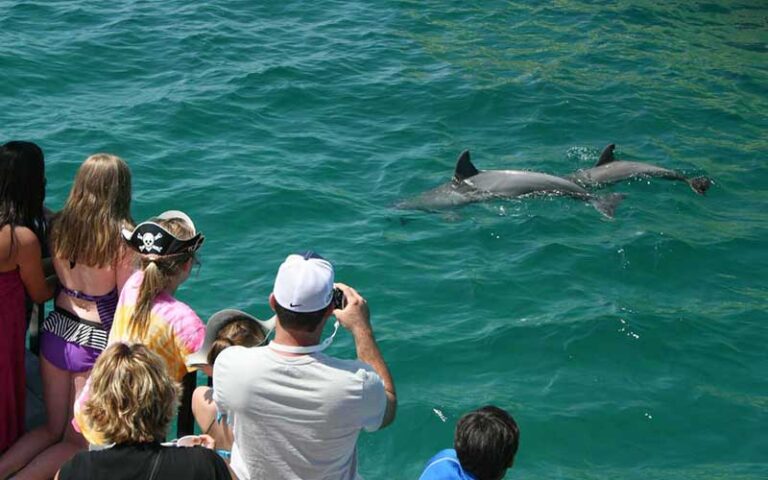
(71, 343)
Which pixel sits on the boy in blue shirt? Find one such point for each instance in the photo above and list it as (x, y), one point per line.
(485, 445)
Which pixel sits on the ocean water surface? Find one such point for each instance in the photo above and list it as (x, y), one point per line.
(631, 348)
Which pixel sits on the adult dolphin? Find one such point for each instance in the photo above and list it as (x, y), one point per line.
(608, 170)
(472, 185)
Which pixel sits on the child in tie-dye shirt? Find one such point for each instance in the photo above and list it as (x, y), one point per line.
(147, 312)
(174, 331)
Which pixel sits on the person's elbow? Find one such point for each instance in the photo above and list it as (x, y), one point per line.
(391, 410)
(41, 295)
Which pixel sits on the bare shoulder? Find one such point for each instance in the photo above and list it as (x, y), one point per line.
(23, 237)
(29, 249)
(25, 233)
(27, 238)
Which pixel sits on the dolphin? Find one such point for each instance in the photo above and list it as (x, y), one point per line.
(470, 185)
(609, 170)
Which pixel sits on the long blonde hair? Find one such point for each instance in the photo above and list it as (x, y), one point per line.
(132, 396)
(87, 230)
(159, 273)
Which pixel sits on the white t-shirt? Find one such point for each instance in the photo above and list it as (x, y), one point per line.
(296, 417)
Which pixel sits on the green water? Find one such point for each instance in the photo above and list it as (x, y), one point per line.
(632, 348)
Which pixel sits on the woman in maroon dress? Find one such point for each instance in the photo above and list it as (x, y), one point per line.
(22, 190)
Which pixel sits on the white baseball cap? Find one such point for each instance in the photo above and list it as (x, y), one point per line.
(304, 283)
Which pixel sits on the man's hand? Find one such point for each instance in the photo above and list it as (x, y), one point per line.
(355, 317)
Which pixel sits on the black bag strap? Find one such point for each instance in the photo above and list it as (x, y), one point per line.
(153, 473)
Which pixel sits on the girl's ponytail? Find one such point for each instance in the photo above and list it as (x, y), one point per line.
(152, 284)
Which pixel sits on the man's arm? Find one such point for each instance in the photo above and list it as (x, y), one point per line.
(356, 318)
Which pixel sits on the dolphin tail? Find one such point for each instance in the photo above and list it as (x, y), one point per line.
(606, 204)
(700, 185)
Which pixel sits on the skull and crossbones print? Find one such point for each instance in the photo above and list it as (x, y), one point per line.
(148, 242)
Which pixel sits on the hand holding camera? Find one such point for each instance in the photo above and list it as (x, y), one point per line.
(351, 309)
(339, 300)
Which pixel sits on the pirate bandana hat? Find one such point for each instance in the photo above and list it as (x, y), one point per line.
(150, 238)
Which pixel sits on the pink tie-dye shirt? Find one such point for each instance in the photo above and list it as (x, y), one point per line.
(174, 333)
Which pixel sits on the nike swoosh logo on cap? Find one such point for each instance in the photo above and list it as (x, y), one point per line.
(295, 304)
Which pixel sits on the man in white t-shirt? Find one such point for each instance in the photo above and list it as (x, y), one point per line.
(297, 412)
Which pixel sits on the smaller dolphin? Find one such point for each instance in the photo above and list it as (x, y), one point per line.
(472, 185)
(609, 170)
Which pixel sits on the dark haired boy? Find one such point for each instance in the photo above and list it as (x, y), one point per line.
(485, 445)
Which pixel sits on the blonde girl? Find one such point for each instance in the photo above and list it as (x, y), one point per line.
(133, 402)
(91, 264)
(147, 312)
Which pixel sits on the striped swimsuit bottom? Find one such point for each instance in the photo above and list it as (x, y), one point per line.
(75, 330)
(71, 343)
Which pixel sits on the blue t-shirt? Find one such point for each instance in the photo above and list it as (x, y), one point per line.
(445, 466)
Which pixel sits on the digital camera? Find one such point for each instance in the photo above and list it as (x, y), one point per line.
(339, 300)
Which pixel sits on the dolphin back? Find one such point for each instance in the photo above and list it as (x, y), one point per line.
(608, 170)
(445, 196)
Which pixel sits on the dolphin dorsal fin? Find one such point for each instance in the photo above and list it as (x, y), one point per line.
(464, 167)
(607, 155)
